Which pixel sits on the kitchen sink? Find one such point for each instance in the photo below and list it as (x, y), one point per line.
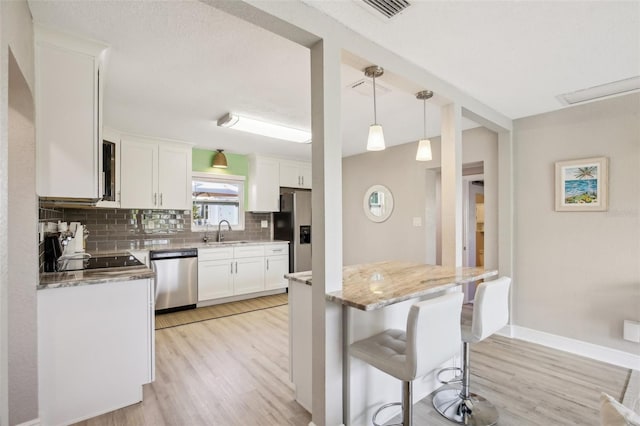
(224, 243)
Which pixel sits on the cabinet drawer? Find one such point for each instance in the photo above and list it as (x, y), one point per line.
(215, 253)
(248, 251)
(276, 249)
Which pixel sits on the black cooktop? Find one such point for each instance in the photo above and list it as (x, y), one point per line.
(101, 262)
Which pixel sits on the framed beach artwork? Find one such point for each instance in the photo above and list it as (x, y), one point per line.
(581, 185)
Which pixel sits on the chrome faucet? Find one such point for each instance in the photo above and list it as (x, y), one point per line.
(220, 236)
(206, 233)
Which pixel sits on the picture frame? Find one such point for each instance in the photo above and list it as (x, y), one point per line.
(582, 185)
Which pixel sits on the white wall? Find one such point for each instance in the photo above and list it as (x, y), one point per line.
(578, 273)
(396, 168)
(18, 262)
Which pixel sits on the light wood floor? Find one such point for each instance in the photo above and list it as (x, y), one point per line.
(235, 371)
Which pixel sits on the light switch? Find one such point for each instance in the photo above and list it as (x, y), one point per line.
(417, 221)
(264, 224)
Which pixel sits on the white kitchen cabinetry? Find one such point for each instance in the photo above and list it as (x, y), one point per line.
(295, 174)
(264, 184)
(68, 114)
(249, 269)
(155, 174)
(277, 265)
(240, 270)
(95, 348)
(215, 273)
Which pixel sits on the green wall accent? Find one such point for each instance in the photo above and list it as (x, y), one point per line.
(238, 165)
(203, 158)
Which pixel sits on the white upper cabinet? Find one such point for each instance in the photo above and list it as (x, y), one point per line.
(68, 114)
(264, 184)
(155, 174)
(295, 174)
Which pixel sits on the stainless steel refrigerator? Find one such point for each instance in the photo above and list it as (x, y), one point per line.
(293, 223)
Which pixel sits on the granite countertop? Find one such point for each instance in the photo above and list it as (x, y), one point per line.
(376, 285)
(99, 276)
(50, 280)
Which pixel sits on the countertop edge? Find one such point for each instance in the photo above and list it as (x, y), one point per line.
(52, 280)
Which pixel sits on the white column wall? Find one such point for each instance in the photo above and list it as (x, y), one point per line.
(326, 233)
(451, 192)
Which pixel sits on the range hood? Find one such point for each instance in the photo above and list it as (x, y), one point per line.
(68, 202)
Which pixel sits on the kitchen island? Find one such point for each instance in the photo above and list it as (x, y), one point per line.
(374, 297)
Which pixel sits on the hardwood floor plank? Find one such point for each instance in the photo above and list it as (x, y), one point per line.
(235, 371)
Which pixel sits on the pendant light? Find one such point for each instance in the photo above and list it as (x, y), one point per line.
(375, 141)
(424, 144)
(220, 160)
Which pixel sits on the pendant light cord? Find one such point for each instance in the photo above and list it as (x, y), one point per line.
(424, 123)
(375, 121)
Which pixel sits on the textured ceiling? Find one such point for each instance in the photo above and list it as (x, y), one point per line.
(174, 67)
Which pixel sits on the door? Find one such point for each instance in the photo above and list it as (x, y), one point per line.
(305, 175)
(174, 181)
(276, 268)
(289, 176)
(138, 172)
(215, 279)
(249, 275)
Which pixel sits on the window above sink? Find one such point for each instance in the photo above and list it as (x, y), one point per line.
(217, 197)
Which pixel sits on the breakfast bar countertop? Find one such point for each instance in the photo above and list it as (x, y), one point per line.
(376, 285)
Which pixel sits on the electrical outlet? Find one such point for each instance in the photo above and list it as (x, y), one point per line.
(417, 221)
(264, 224)
(631, 331)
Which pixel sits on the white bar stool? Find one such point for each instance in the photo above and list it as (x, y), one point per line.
(490, 314)
(432, 337)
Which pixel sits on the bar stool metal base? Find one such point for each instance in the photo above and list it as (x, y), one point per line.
(385, 406)
(474, 411)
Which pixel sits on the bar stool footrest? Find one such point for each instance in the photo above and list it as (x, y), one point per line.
(385, 406)
(456, 379)
(474, 411)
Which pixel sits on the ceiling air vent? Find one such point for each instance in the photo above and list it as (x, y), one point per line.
(388, 8)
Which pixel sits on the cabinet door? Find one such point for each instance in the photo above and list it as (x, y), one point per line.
(138, 174)
(215, 279)
(67, 114)
(249, 275)
(93, 337)
(305, 175)
(174, 177)
(276, 268)
(264, 185)
(289, 175)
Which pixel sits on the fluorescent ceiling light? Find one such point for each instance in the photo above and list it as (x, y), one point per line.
(263, 128)
(597, 92)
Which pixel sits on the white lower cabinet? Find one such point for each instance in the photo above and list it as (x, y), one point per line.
(277, 265)
(95, 348)
(240, 270)
(249, 275)
(215, 279)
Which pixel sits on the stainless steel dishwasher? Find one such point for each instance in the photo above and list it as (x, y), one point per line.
(176, 278)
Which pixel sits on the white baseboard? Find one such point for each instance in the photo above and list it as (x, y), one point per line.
(578, 347)
(34, 422)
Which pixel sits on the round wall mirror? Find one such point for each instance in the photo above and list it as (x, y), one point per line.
(378, 203)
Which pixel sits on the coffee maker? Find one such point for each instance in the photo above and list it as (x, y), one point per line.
(52, 252)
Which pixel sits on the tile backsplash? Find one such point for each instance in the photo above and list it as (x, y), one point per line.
(114, 230)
